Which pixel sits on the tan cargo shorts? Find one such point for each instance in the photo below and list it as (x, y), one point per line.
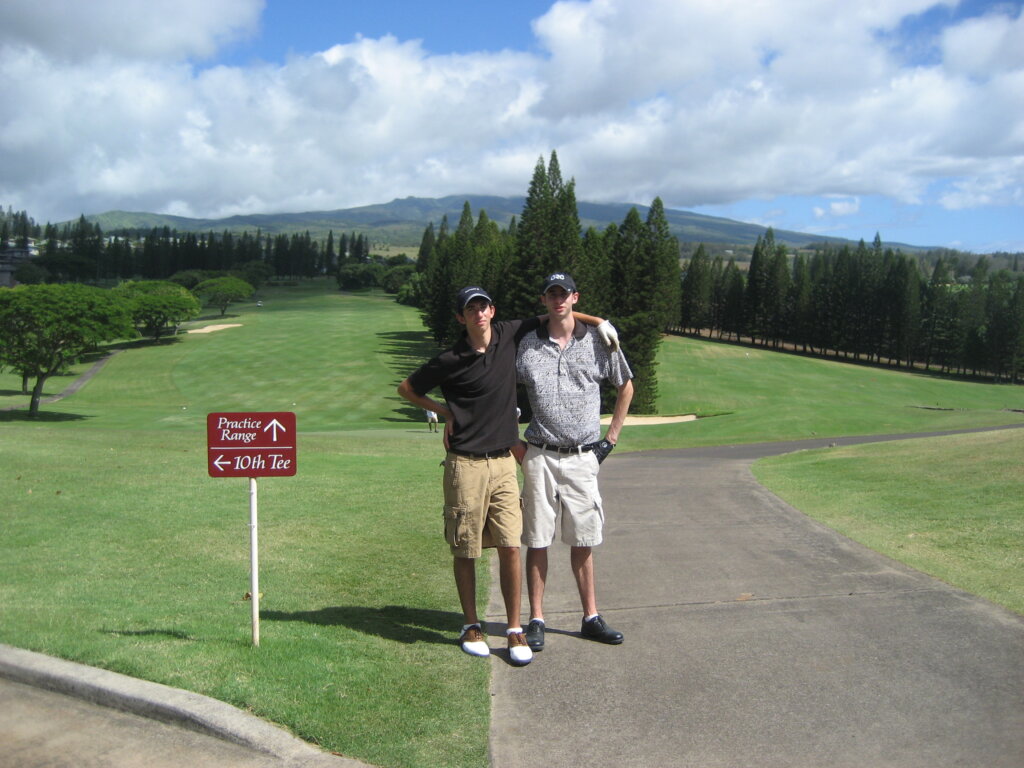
(481, 504)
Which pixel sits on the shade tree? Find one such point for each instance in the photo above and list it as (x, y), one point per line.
(45, 328)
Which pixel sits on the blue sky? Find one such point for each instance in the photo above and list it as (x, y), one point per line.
(304, 27)
(902, 117)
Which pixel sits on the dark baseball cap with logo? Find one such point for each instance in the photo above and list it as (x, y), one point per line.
(467, 294)
(560, 279)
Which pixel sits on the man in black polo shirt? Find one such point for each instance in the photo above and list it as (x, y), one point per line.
(481, 491)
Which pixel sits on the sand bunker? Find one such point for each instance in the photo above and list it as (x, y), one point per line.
(212, 328)
(639, 421)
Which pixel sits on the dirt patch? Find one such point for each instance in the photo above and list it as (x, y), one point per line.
(212, 328)
(639, 421)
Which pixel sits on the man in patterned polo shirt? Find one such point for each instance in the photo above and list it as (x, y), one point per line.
(562, 365)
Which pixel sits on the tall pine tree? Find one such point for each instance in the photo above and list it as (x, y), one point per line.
(593, 272)
(663, 254)
(697, 288)
(547, 238)
(637, 310)
(426, 248)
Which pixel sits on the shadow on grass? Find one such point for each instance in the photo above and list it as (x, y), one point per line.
(20, 413)
(171, 633)
(404, 412)
(148, 341)
(214, 316)
(393, 622)
(406, 350)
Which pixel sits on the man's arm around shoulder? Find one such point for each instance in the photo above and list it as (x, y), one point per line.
(605, 330)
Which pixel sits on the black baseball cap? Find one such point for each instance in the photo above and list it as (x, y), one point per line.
(469, 293)
(560, 279)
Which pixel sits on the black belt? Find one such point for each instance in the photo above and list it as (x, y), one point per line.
(489, 455)
(565, 449)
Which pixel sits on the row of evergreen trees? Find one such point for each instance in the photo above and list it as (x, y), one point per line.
(16, 229)
(80, 252)
(866, 302)
(628, 272)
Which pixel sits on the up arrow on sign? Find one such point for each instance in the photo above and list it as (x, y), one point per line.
(276, 425)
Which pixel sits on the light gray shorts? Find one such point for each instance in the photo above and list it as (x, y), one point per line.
(561, 485)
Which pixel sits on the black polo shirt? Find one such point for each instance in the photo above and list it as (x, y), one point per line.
(480, 389)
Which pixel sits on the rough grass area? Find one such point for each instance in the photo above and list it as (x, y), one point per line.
(948, 506)
(744, 395)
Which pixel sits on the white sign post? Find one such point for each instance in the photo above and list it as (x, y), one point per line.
(251, 445)
(254, 563)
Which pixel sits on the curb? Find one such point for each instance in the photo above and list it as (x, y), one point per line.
(165, 704)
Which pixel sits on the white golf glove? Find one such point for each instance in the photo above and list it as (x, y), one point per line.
(609, 336)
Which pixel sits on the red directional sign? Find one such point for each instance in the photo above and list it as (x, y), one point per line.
(250, 444)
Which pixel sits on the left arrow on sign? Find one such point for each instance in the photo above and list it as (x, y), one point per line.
(221, 460)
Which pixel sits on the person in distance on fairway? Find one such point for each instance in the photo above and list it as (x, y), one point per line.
(431, 420)
(481, 491)
(562, 367)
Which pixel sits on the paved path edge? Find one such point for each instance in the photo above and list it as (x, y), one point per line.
(163, 703)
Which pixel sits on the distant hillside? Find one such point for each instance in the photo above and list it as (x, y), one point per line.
(401, 222)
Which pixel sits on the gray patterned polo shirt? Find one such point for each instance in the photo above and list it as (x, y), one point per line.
(564, 385)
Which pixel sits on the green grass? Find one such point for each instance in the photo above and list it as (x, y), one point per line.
(129, 557)
(119, 551)
(949, 506)
(334, 360)
(747, 395)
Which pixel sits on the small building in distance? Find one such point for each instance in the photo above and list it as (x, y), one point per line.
(11, 257)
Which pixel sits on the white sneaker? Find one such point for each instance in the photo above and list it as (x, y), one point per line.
(473, 642)
(519, 652)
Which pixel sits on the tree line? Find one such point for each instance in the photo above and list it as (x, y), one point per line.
(863, 302)
(81, 252)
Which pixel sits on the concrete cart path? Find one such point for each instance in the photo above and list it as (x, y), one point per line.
(43, 728)
(58, 714)
(754, 637)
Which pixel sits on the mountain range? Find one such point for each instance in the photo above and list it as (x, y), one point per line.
(403, 221)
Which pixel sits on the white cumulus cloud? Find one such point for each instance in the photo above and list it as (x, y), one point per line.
(121, 104)
(844, 207)
(144, 29)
